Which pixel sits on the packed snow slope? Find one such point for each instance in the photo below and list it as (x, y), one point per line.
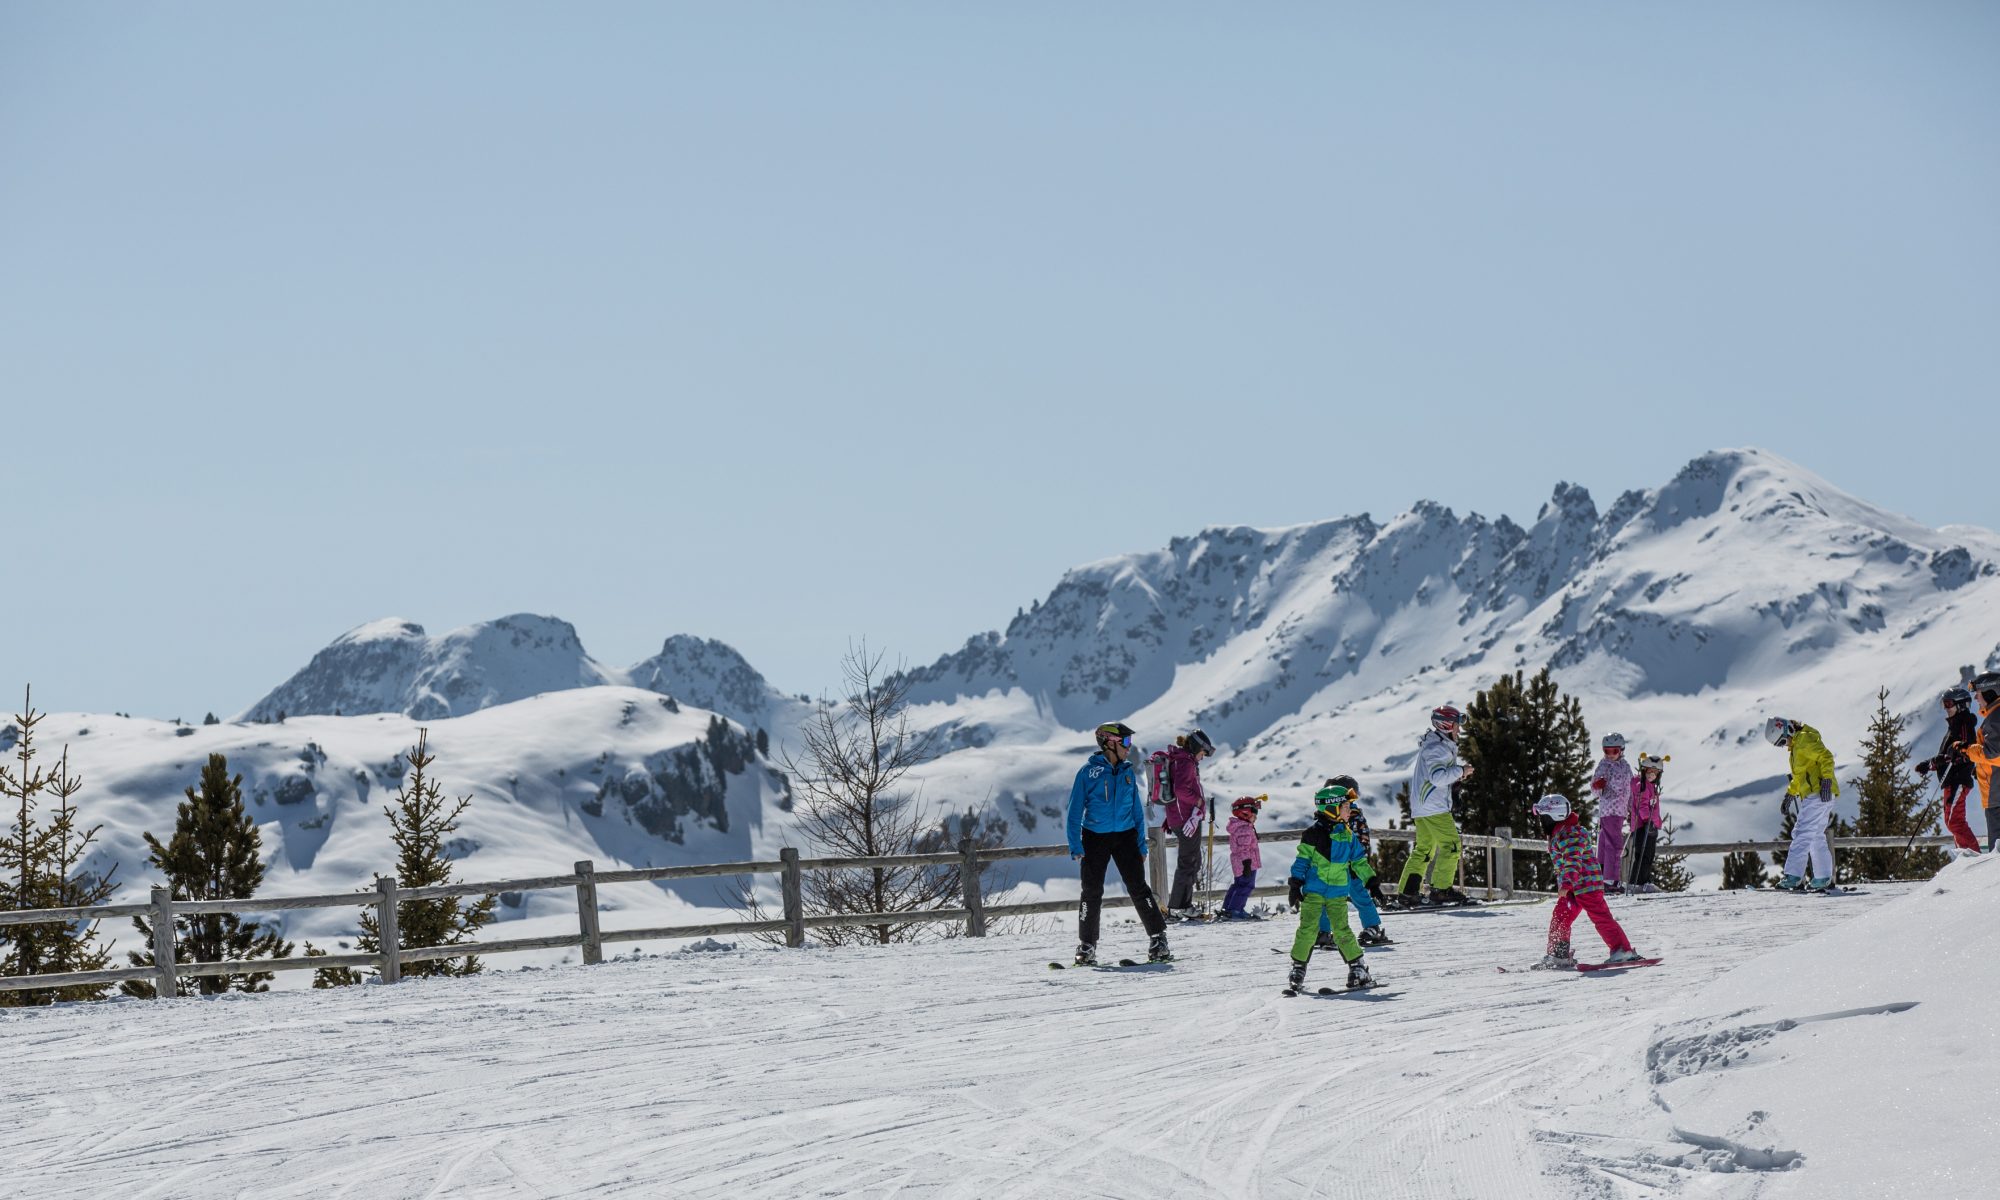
(1788, 1046)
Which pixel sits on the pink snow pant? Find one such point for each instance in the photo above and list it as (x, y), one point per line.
(1569, 904)
(1610, 849)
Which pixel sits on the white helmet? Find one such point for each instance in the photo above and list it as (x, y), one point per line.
(1554, 807)
(1614, 741)
(1778, 730)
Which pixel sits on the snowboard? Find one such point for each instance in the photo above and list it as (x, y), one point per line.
(1619, 966)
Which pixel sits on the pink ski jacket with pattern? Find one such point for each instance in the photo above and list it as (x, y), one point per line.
(1575, 854)
(1645, 802)
(1243, 845)
(1614, 799)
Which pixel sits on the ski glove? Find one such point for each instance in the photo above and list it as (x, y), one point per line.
(1789, 806)
(1924, 767)
(1192, 827)
(1295, 894)
(1375, 889)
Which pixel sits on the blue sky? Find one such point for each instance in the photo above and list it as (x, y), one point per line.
(791, 323)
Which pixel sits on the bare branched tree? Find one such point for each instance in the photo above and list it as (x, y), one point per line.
(847, 774)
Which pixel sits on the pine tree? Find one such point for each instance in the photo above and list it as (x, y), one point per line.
(213, 855)
(1891, 803)
(45, 866)
(420, 821)
(1743, 869)
(1524, 739)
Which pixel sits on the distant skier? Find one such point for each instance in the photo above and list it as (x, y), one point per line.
(1320, 873)
(1433, 861)
(1364, 886)
(1810, 796)
(1613, 784)
(1245, 855)
(1107, 823)
(1176, 779)
(1953, 769)
(1983, 752)
(1579, 886)
(1646, 820)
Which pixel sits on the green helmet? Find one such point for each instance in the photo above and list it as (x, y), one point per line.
(1331, 797)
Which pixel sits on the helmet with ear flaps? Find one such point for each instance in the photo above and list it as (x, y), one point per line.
(1553, 806)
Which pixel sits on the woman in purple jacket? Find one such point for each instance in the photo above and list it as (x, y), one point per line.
(1177, 784)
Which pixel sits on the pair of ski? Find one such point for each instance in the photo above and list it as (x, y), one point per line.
(1347, 991)
(1123, 964)
(1586, 967)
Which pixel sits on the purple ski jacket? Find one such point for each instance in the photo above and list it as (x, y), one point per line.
(1182, 777)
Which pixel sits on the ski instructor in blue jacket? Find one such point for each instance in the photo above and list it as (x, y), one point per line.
(1107, 823)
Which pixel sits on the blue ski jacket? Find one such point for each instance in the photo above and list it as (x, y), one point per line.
(1329, 855)
(1106, 799)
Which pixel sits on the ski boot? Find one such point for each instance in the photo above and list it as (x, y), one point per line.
(1176, 915)
(1326, 942)
(1358, 976)
(1086, 955)
(1408, 897)
(1823, 883)
(1790, 883)
(1622, 956)
(1559, 958)
(1449, 897)
(1373, 935)
(1296, 981)
(1156, 950)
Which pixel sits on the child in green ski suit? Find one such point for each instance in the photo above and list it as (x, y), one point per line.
(1328, 855)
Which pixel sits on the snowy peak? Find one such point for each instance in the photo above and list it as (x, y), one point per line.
(393, 666)
(707, 674)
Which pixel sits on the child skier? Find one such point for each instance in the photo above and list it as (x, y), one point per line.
(1433, 861)
(1364, 887)
(1613, 784)
(1580, 887)
(1244, 855)
(1320, 876)
(1812, 789)
(1954, 769)
(1646, 820)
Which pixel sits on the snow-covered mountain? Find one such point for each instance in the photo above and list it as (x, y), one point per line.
(392, 665)
(1681, 616)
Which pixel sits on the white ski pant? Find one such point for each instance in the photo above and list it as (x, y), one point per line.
(1809, 837)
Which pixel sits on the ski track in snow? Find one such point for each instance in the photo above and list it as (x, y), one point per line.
(963, 1070)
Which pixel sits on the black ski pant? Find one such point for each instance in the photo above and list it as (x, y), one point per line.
(1100, 850)
(1187, 871)
(1645, 840)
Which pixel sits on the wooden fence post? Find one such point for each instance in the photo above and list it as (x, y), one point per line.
(165, 986)
(586, 913)
(968, 884)
(385, 926)
(1502, 872)
(795, 899)
(1156, 867)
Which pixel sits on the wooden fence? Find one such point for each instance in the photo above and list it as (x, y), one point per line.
(969, 861)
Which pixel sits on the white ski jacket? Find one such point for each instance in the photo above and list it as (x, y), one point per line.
(1436, 769)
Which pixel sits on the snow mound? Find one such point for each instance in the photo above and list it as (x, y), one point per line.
(1853, 1062)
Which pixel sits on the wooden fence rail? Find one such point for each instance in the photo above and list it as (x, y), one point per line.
(969, 861)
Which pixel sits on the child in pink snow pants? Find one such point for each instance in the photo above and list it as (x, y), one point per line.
(1613, 785)
(1580, 885)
